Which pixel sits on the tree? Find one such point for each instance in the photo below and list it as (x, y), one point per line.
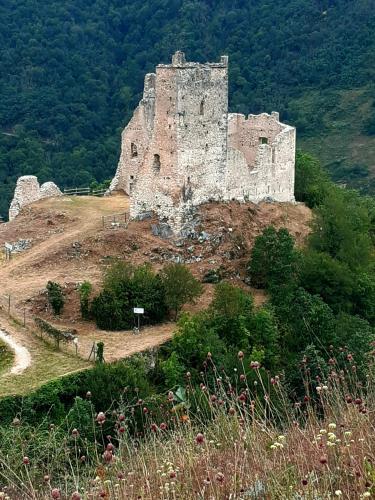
(342, 228)
(273, 259)
(180, 286)
(312, 182)
(55, 296)
(85, 290)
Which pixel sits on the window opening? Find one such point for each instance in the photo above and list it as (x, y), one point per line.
(156, 164)
(133, 150)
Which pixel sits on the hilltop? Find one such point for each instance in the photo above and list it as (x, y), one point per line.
(68, 244)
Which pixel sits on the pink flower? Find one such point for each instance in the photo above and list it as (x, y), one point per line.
(55, 493)
(75, 433)
(76, 496)
(240, 355)
(199, 439)
(26, 460)
(100, 418)
(220, 477)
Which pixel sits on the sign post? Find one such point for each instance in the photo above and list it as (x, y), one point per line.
(8, 250)
(138, 311)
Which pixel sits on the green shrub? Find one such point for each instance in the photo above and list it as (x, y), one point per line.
(180, 286)
(55, 296)
(85, 290)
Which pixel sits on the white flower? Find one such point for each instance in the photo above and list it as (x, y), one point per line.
(338, 493)
(332, 426)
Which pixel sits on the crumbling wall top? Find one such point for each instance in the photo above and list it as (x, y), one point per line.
(179, 61)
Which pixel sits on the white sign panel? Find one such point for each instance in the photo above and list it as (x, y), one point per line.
(139, 310)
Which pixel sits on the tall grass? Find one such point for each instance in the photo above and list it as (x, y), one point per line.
(235, 436)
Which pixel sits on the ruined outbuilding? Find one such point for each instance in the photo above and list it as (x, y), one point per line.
(28, 191)
(182, 148)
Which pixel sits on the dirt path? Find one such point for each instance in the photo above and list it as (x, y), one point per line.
(22, 355)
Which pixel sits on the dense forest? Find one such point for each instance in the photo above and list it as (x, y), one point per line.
(71, 72)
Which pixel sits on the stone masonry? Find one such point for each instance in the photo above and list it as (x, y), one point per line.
(28, 191)
(182, 148)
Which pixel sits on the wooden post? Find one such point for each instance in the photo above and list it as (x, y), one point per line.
(24, 316)
(9, 304)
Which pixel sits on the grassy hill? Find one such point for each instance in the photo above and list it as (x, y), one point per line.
(71, 73)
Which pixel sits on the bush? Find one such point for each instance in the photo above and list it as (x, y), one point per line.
(273, 259)
(180, 286)
(85, 290)
(126, 287)
(55, 296)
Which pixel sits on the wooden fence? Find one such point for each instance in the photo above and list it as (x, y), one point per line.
(114, 221)
(84, 192)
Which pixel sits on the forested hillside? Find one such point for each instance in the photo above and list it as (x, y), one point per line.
(71, 72)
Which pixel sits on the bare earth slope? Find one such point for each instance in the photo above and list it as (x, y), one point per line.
(69, 244)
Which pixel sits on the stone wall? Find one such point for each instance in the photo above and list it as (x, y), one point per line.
(182, 148)
(28, 191)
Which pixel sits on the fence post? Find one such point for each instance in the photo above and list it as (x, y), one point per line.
(9, 304)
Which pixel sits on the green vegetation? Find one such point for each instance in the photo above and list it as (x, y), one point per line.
(72, 73)
(180, 286)
(126, 287)
(55, 296)
(85, 290)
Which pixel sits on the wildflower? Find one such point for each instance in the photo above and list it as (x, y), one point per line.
(323, 459)
(188, 375)
(100, 418)
(366, 494)
(304, 482)
(76, 496)
(172, 474)
(121, 417)
(331, 436)
(240, 355)
(242, 377)
(88, 395)
(323, 431)
(170, 396)
(75, 433)
(110, 447)
(108, 456)
(26, 461)
(16, 422)
(325, 387)
(46, 478)
(209, 355)
(281, 439)
(338, 493)
(332, 426)
(347, 434)
(121, 430)
(273, 447)
(255, 365)
(220, 477)
(232, 411)
(154, 427)
(330, 444)
(318, 389)
(145, 410)
(55, 493)
(199, 439)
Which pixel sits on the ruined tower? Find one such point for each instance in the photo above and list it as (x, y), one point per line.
(182, 148)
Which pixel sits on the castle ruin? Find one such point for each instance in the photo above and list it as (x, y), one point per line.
(182, 148)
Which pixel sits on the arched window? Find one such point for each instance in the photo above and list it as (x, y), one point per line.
(156, 164)
(133, 150)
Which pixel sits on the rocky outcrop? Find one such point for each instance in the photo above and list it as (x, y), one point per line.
(28, 191)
